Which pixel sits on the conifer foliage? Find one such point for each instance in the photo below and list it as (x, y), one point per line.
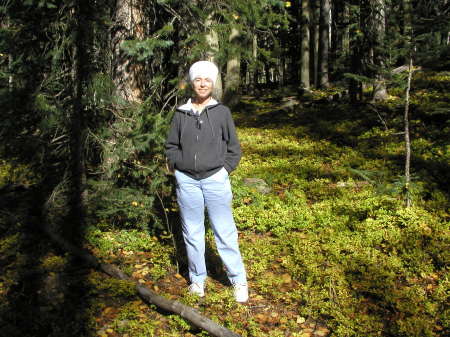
(87, 88)
(341, 108)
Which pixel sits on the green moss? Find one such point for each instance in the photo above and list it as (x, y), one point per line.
(117, 288)
(53, 263)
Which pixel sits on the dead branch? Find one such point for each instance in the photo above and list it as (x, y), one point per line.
(149, 296)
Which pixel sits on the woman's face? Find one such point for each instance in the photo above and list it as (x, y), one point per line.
(203, 87)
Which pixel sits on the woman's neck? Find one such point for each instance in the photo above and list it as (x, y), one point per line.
(201, 101)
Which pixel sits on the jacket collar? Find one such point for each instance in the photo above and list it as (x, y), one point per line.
(189, 107)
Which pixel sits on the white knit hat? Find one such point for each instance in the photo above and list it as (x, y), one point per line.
(204, 69)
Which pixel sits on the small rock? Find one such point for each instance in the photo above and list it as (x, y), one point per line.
(286, 278)
(259, 184)
(123, 323)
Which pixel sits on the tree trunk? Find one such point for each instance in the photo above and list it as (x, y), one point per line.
(267, 73)
(314, 45)
(304, 68)
(409, 44)
(379, 17)
(77, 122)
(407, 138)
(346, 29)
(255, 71)
(212, 38)
(324, 42)
(294, 50)
(281, 72)
(339, 37)
(355, 87)
(232, 83)
(128, 74)
(6, 25)
(245, 76)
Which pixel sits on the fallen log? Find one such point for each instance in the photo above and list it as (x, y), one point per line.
(149, 296)
(403, 68)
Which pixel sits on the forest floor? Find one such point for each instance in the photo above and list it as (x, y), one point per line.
(328, 245)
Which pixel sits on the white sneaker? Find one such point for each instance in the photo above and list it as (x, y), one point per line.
(197, 289)
(241, 292)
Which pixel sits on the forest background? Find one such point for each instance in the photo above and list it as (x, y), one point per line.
(342, 110)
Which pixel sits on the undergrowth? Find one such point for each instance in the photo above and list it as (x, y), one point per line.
(331, 245)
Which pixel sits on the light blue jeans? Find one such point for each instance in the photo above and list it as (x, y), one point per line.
(215, 193)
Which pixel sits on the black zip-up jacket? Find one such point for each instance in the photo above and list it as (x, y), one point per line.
(200, 145)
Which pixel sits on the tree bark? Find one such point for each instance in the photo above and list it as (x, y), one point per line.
(340, 37)
(379, 17)
(233, 77)
(128, 73)
(77, 122)
(407, 137)
(145, 293)
(324, 42)
(304, 43)
(255, 71)
(6, 25)
(294, 50)
(314, 65)
(346, 30)
(212, 38)
(355, 87)
(409, 44)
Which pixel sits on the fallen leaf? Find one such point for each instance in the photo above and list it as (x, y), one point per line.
(322, 332)
(261, 318)
(107, 309)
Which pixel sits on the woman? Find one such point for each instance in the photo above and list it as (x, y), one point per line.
(203, 149)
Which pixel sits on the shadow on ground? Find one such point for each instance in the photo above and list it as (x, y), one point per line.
(43, 292)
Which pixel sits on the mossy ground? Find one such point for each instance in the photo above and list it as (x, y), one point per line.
(331, 250)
